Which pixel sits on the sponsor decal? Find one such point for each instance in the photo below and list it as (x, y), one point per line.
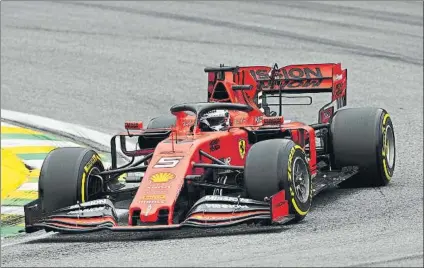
(287, 74)
(214, 145)
(168, 162)
(87, 170)
(90, 203)
(326, 114)
(85, 210)
(259, 119)
(90, 163)
(159, 187)
(224, 198)
(205, 217)
(289, 78)
(339, 90)
(151, 201)
(162, 177)
(224, 206)
(153, 197)
(242, 148)
(240, 120)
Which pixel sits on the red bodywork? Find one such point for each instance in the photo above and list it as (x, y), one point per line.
(173, 158)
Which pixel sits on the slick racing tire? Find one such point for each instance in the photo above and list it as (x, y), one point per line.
(275, 165)
(66, 177)
(164, 121)
(364, 137)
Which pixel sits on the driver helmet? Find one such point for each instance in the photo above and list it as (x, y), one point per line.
(215, 120)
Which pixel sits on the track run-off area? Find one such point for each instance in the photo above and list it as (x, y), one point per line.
(99, 64)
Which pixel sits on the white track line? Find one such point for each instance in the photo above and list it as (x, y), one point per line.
(5, 143)
(35, 164)
(15, 210)
(29, 186)
(56, 126)
(4, 124)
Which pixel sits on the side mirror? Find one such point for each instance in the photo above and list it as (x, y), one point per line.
(133, 125)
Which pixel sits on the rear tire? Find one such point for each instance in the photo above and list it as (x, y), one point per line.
(272, 166)
(364, 137)
(65, 177)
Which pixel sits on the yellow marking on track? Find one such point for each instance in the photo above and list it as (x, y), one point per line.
(31, 149)
(18, 130)
(22, 195)
(11, 219)
(35, 173)
(13, 172)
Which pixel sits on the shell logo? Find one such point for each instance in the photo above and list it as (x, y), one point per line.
(162, 177)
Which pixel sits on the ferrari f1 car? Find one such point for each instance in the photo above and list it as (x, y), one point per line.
(230, 160)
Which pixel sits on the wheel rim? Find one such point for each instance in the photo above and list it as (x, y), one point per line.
(301, 180)
(390, 146)
(90, 187)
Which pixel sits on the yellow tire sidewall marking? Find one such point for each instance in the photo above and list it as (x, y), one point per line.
(87, 168)
(289, 177)
(385, 147)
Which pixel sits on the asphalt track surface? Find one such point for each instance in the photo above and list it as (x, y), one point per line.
(101, 63)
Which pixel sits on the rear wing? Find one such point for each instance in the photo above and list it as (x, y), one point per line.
(291, 79)
(300, 78)
(305, 78)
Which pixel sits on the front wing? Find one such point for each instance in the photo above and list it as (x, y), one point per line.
(209, 212)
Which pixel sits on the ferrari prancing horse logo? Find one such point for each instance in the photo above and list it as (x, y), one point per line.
(242, 148)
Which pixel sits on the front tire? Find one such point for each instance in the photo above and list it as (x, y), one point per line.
(66, 177)
(279, 164)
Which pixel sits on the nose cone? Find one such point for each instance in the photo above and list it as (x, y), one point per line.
(156, 197)
(163, 180)
(162, 183)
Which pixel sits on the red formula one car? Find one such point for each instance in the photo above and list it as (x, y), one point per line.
(233, 159)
